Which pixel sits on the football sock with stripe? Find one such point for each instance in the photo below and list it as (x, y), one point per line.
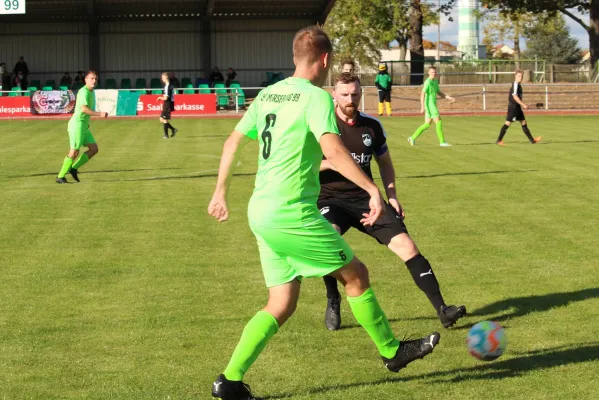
(425, 279)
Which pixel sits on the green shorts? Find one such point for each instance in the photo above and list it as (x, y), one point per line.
(80, 135)
(431, 111)
(314, 250)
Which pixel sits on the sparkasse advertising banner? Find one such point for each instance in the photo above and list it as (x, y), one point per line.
(184, 104)
(15, 107)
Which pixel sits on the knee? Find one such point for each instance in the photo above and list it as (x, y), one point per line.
(508, 123)
(403, 246)
(281, 310)
(73, 154)
(358, 276)
(93, 151)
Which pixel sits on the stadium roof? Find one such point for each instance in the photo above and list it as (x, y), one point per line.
(69, 10)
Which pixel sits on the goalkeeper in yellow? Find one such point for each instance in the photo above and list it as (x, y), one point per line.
(428, 101)
(383, 83)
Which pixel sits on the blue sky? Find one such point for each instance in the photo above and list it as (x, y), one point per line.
(449, 31)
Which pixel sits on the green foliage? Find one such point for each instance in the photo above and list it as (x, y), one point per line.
(549, 39)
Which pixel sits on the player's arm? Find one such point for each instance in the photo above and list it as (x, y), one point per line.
(89, 111)
(422, 96)
(326, 164)
(387, 171)
(445, 96)
(218, 205)
(517, 99)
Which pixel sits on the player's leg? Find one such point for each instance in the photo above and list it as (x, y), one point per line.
(169, 119)
(388, 101)
(381, 101)
(528, 134)
(75, 142)
(439, 128)
(340, 220)
(164, 123)
(92, 149)
(424, 277)
(503, 131)
(421, 128)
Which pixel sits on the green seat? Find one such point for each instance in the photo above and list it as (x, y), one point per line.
(155, 83)
(36, 83)
(47, 88)
(77, 86)
(140, 83)
(156, 91)
(110, 83)
(31, 90)
(189, 89)
(126, 83)
(204, 88)
(14, 92)
(63, 88)
(240, 94)
(222, 95)
(185, 82)
(50, 83)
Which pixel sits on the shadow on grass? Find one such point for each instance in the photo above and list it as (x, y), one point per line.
(159, 178)
(91, 172)
(533, 361)
(568, 141)
(520, 306)
(469, 173)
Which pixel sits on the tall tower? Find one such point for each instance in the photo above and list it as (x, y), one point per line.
(468, 36)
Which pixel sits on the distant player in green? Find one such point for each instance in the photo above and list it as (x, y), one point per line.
(384, 83)
(79, 133)
(295, 124)
(428, 106)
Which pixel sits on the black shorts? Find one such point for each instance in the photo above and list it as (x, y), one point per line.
(515, 114)
(347, 213)
(384, 95)
(167, 108)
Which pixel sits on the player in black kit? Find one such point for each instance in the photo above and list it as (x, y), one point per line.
(515, 111)
(168, 105)
(344, 204)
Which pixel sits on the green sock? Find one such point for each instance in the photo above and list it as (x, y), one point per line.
(66, 166)
(439, 127)
(420, 130)
(256, 334)
(371, 316)
(81, 161)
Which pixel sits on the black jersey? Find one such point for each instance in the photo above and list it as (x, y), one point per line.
(516, 89)
(169, 92)
(364, 138)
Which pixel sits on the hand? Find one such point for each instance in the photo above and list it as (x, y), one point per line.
(451, 99)
(218, 208)
(525, 106)
(398, 208)
(103, 114)
(376, 209)
(421, 110)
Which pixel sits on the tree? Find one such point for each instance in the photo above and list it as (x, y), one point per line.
(506, 24)
(590, 7)
(550, 39)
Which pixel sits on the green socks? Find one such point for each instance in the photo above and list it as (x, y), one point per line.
(256, 334)
(66, 166)
(420, 130)
(439, 127)
(371, 316)
(81, 161)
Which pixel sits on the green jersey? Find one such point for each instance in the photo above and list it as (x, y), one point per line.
(384, 80)
(288, 118)
(430, 90)
(85, 97)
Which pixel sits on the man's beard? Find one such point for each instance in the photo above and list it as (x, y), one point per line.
(349, 110)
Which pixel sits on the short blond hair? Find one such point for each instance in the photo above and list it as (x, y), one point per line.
(310, 43)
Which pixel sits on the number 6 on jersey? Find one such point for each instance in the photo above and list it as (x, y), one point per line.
(267, 136)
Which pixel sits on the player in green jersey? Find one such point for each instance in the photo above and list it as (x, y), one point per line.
(428, 106)
(78, 128)
(294, 122)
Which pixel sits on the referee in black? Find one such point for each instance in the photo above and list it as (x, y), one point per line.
(515, 111)
(168, 105)
(344, 204)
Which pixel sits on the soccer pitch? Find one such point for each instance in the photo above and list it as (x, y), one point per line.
(122, 287)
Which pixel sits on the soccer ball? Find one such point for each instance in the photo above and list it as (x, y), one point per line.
(486, 341)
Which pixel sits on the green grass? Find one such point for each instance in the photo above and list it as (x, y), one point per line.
(121, 287)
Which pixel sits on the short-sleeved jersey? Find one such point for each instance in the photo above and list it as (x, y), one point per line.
(169, 92)
(516, 89)
(85, 97)
(431, 90)
(384, 80)
(364, 139)
(288, 119)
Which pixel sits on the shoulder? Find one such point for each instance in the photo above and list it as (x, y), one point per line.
(373, 123)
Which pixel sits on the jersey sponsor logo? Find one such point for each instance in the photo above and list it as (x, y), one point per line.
(367, 139)
(187, 103)
(362, 159)
(324, 210)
